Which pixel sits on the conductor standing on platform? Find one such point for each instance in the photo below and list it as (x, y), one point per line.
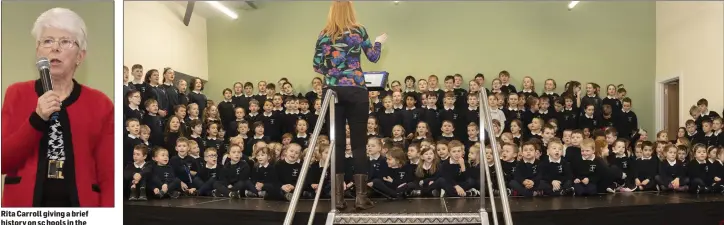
(337, 57)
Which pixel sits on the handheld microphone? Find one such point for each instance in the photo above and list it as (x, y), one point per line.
(43, 65)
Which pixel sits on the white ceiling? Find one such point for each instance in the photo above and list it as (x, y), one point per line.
(205, 10)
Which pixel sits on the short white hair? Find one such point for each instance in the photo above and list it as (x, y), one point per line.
(64, 19)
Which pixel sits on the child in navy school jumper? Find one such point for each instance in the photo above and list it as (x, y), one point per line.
(472, 112)
(512, 112)
(706, 136)
(672, 176)
(455, 179)
(398, 137)
(587, 170)
(442, 150)
(621, 165)
(716, 172)
(506, 87)
(272, 123)
(181, 164)
(556, 173)
(135, 175)
(133, 126)
(427, 171)
(508, 162)
(290, 115)
(232, 126)
(528, 89)
(288, 171)
(227, 108)
(378, 162)
(474, 170)
(589, 119)
(698, 169)
(253, 116)
(213, 141)
(388, 118)
(321, 153)
(545, 111)
(432, 114)
(646, 168)
(258, 136)
(394, 182)
(573, 152)
(421, 132)
(411, 115)
(207, 173)
(413, 155)
(301, 136)
(527, 176)
(607, 118)
(233, 175)
(516, 130)
(448, 131)
(155, 122)
(627, 121)
(530, 110)
(278, 103)
(450, 113)
(373, 128)
(164, 182)
(304, 111)
(591, 97)
(534, 130)
(473, 136)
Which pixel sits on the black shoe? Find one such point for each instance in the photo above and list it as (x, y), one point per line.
(142, 194)
(567, 191)
(307, 194)
(214, 194)
(238, 194)
(250, 194)
(160, 194)
(415, 193)
(134, 193)
(288, 196)
(232, 194)
(175, 194)
(262, 194)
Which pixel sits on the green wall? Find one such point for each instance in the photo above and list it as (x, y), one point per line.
(602, 42)
(18, 44)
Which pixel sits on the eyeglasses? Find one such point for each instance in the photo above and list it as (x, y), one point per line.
(212, 156)
(63, 43)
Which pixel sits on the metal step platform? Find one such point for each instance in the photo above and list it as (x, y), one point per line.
(336, 217)
(408, 218)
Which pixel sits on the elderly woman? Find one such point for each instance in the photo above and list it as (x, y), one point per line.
(63, 161)
(337, 57)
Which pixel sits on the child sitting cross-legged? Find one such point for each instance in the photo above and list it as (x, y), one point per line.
(263, 176)
(527, 177)
(233, 176)
(394, 181)
(556, 177)
(207, 173)
(164, 181)
(136, 174)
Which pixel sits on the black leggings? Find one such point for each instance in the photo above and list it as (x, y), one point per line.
(352, 108)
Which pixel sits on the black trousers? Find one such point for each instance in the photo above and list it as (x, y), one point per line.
(547, 187)
(222, 187)
(449, 186)
(204, 187)
(648, 187)
(352, 108)
(56, 193)
(389, 189)
(665, 181)
(521, 190)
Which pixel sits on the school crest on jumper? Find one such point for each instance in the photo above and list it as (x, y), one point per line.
(238, 170)
(592, 168)
(535, 169)
(402, 175)
(455, 116)
(166, 174)
(560, 168)
(624, 164)
(295, 172)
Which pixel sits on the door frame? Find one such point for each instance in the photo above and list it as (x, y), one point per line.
(659, 87)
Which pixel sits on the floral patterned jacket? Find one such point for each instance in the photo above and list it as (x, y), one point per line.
(339, 60)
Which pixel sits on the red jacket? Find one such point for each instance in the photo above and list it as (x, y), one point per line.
(86, 118)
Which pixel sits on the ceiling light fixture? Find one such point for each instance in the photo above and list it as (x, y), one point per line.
(572, 4)
(223, 9)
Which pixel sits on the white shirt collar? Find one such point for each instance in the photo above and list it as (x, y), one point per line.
(426, 167)
(527, 91)
(473, 108)
(398, 139)
(265, 165)
(139, 166)
(705, 113)
(450, 108)
(258, 137)
(624, 111)
(372, 157)
(716, 133)
(211, 138)
(587, 116)
(253, 114)
(303, 135)
(133, 107)
(610, 97)
(347, 154)
(473, 139)
(543, 112)
(197, 92)
(416, 161)
(591, 159)
(536, 133)
(371, 134)
(645, 158)
(132, 136)
(413, 108)
(556, 161)
(397, 106)
(292, 112)
(268, 114)
(448, 135)
(671, 163)
(567, 109)
(512, 109)
(389, 111)
(549, 93)
(137, 81)
(294, 162)
(529, 162)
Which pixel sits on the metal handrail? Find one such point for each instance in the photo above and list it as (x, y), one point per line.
(298, 188)
(484, 169)
(494, 145)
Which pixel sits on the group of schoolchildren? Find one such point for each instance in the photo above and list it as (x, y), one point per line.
(423, 140)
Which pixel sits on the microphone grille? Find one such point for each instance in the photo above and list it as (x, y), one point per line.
(42, 63)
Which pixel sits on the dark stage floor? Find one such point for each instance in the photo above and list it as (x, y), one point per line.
(621, 208)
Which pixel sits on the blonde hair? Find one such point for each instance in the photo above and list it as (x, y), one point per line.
(475, 148)
(341, 18)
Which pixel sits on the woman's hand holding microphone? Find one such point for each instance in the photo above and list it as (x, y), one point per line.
(48, 103)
